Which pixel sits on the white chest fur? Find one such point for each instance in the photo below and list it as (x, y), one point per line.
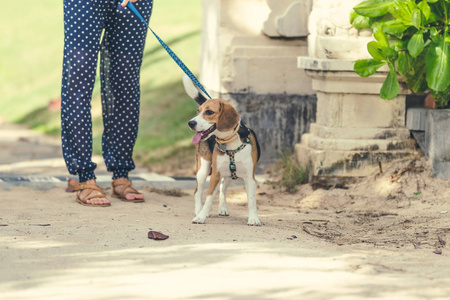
(243, 161)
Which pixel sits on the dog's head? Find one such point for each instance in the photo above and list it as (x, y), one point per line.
(214, 117)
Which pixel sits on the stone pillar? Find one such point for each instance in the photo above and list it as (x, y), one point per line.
(288, 18)
(354, 129)
(257, 73)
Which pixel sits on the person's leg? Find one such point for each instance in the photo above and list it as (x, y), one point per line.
(83, 24)
(121, 58)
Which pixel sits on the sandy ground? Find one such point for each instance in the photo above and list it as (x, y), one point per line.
(373, 239)
(54, 248)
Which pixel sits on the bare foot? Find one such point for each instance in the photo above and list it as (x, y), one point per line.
(88, 195)
(124, 189)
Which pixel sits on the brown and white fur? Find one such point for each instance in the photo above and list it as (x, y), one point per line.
(218, 119)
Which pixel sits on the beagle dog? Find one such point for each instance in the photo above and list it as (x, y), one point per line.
(225, 149)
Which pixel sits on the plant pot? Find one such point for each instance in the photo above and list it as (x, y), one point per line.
(430, 128)
(436, 136)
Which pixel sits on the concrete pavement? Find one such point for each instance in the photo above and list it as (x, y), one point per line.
(28, 158)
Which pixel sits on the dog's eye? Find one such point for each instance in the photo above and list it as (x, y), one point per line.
(209, 112)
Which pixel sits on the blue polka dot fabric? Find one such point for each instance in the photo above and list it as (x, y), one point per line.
(92, 27)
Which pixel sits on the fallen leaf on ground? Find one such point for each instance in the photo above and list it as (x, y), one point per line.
(155, 235)
(24, 139)
(170, 192)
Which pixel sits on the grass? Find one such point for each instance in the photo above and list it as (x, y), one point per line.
(292, 173)
(30, 74)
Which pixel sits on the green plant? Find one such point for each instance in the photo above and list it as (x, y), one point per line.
(292, 173)
(412, 39)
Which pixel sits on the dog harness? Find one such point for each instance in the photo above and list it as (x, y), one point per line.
(231, 154)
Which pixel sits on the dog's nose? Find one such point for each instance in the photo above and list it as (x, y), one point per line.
(192, 124)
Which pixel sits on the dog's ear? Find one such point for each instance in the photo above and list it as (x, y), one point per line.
(228, 118)
(193, 91)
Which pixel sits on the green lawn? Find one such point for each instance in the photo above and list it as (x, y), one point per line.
(31, 47)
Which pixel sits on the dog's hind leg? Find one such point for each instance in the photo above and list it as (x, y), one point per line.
(204, 167)
(223, 208)
(213, 187)
(250, 187)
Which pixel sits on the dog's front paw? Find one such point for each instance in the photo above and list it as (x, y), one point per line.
(197, 212)
(199, 219)
(224, 212)
(253, 222)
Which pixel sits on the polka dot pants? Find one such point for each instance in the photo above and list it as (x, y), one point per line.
(121, 50)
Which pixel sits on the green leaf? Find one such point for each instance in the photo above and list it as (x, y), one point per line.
(389, 52)
(361, 22)
(436, 14)
(394, 27)
(380, 36)
(442, 102)
(400, 11)
(391, 86)
(411, 5)
(435, 36)
(416, 18)
(415, 77)
(375, 51)
(402, 62)
(397, 45)
(432, 1)
(367, 67)
(437, 66)
(416, 44)
(373, 8)
(425, 9)
(353, 15)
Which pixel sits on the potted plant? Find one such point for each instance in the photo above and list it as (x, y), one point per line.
(412, 38)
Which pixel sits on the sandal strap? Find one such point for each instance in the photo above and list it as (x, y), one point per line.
(90, 189)
(76, 186)
(81, 187)
(125, 185)
(89, 196)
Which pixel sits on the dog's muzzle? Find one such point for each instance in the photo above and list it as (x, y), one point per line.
(200, 135)
(192, 124)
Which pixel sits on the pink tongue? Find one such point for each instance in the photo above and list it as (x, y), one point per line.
(196, 139)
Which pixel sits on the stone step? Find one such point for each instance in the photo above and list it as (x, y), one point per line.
(316, 142)
(359, 133)
(347, 163)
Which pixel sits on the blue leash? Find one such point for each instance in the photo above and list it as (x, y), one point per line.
(171, 53)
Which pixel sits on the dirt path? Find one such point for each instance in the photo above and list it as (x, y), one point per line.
(54, 248)
(374, 239)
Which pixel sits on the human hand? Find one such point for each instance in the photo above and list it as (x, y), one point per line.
(125, 2)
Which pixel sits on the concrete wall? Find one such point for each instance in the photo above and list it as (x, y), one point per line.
(258, 73)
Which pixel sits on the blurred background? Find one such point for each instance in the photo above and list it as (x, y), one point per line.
(31, 50)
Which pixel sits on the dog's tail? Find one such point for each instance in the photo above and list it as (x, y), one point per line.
(193, 91)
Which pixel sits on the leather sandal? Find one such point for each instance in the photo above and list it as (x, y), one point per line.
(125, 189)
(75, 186)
